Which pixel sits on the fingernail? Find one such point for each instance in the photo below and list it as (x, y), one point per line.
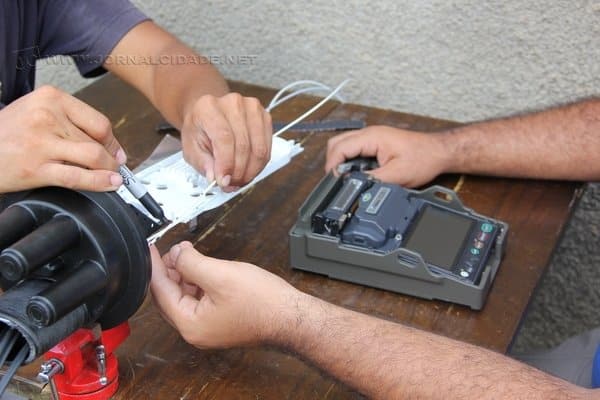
(175, 250)
(121, 157)
(116, 180)
(225, 181)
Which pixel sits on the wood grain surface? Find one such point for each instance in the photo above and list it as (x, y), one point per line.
(155, 363)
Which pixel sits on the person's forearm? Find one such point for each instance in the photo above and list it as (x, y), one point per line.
(385, 360)
(169, 73)
(225, 136)
(561, 143)
(177, 84)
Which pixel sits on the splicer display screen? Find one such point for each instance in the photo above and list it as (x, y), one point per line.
(439, 235)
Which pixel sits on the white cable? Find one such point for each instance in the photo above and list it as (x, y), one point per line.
(313, 109)
(310, 89)
(294, 84)
(209, 187)
(317, 85)
(157, 235)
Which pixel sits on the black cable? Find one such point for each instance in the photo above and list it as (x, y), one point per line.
(6, 345)
(12, 370)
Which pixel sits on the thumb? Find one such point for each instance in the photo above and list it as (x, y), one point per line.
(196, 268)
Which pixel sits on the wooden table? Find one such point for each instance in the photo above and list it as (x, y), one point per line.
(155, 363)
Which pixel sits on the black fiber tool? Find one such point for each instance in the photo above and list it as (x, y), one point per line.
(309, 126)
(139, 191)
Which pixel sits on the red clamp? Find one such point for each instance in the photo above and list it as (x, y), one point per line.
(83, 366)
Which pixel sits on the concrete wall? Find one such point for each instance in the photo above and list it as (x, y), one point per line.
(461, 59)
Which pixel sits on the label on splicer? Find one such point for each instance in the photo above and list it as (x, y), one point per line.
(378, 200)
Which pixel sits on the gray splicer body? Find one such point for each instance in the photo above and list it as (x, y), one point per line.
(421, 243)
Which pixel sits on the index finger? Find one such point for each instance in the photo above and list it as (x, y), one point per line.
(205, 272)
(94, 124)
(350, 146)
(342, 136)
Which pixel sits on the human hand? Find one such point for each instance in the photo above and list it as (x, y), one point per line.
(227, 138)
(50, 138)
(218, 303)
(407, 158)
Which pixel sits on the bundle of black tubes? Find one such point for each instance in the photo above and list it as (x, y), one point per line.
(8, 345)
(67, 260)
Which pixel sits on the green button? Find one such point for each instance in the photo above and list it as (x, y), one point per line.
(366, 197)
(474, 251)
(487, 228)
